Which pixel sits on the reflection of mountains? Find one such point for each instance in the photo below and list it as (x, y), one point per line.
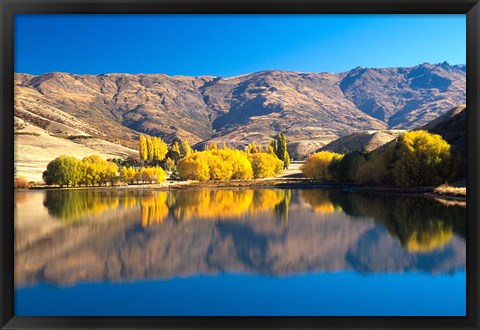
(275, 232)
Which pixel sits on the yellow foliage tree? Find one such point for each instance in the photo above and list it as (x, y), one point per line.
(241, 166)
(142, 147)
(97, 170)
(160, 149)
(194, 167)
(423, 158)
(265, 165)
(153, 174)
(316, 167)
(219, 169)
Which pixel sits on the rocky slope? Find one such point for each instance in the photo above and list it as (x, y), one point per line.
(451, 126)
(365, 141)
(311, 108)
(406, 97)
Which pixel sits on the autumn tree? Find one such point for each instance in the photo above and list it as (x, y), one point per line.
(423, 158)
(217, 164)
(142, 147)
(97, 170)
(224, 146)
(219, 169)
(185, 148)
(265, 165)
(317, 166)
(150, 147)
(241, 166)
(179, 149)
(64, 171)
(253, 148)
(210, 146)
(127, 174)
(153, 174)
(174, 151)
(194, 167)
(160, 149)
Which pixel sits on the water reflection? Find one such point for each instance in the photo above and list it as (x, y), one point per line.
(119, 235)
(421, 224)
(157, 205)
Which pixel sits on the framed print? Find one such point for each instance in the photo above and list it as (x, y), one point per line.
(219, 164)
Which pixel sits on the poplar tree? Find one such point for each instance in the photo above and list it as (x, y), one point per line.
(150, 147)
(280, 148)
(142, 147)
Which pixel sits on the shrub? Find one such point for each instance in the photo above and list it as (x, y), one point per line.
(317, 166)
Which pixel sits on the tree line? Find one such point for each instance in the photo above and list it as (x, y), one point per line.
(68, 171)
(179, 158)
(416, 158)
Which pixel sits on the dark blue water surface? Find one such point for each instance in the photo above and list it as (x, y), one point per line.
(332, 294)
(238, 252)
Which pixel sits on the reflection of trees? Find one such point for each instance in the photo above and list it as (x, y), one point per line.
(115, 249)
(319, 201)
(421, 224)
(206, 204)
(156, 205)
(428, 241)
(73, 204)
(281, 209)
(154, 208)
(214, 204)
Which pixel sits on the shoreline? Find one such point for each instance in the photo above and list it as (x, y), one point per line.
(279, 182)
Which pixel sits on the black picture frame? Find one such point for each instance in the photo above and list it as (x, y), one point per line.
(9, 8)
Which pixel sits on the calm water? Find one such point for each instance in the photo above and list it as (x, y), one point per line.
(237, 252)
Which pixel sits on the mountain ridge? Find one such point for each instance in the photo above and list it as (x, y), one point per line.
(312, 109)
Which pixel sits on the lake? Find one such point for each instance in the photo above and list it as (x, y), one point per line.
(268, 252)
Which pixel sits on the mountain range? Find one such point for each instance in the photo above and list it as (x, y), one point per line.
(107, 112)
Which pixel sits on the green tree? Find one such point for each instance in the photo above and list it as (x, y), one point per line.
(174, 151)
(64, 171)
(348, 165)
(280, 149)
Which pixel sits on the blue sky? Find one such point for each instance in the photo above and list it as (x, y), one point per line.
(228, 45)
